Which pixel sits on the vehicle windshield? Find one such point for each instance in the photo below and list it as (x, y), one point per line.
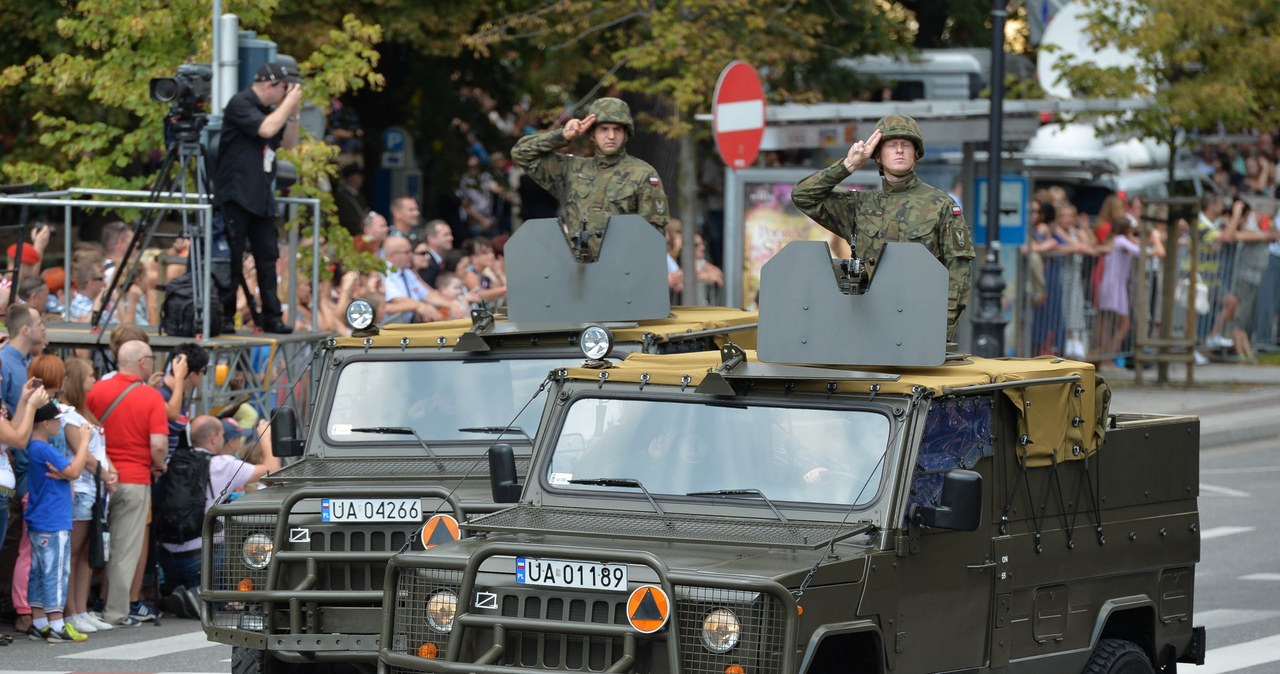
(788, 453)
(436, 398)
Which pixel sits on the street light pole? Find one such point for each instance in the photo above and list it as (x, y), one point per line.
(989, 323)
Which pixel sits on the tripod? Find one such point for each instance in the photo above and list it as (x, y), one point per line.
(186, 155)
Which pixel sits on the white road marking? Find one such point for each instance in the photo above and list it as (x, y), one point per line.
(1218, 532)
(142, 650)
(1225, 617)
(1223, 491)
(1240, 471)
(1241, 656)
(1261, 576)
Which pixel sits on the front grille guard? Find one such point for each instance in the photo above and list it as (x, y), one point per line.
(263, 600)
(468, 569)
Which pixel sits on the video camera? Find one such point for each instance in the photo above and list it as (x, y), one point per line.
(186, 91)
(191, 86)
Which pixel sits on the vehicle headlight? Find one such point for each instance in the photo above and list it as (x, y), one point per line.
(596, 342)
(257, 550)
(359, 314)
(442, 607)
(720, 630)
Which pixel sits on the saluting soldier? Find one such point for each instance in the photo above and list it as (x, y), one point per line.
(591, 189)
(904, 209)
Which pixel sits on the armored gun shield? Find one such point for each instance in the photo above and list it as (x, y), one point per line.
(900, 320)
(628, 282)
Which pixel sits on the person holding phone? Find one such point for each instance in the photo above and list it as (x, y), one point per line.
(256, 123)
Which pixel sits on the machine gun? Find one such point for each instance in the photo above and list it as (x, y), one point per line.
(852, 277)
(580, 244)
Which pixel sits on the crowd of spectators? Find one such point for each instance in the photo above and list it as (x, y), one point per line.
(133, 301)
(1082, 281)
(69, 439)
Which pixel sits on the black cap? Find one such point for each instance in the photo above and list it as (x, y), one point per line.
(278, 71)
(49, 411)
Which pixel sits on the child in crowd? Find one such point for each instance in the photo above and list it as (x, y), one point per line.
(452, 290)
(48, 518)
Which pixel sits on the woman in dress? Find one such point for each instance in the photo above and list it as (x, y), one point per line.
(1120, 249)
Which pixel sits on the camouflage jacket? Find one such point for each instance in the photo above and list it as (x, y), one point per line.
(592, 187)
(908, 210)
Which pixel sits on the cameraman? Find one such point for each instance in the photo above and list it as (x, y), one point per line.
(251, 133)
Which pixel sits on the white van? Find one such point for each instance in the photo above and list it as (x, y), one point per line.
(1089, 170)
(933, 74)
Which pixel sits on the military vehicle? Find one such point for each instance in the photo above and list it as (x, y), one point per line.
(806, 507)
(394, 455)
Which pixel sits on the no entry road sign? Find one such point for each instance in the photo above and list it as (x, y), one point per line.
(738, 115)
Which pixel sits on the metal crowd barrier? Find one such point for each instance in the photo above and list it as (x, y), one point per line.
(183, 201)
(1064, 318)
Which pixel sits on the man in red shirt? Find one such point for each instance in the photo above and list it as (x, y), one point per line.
(137, 434)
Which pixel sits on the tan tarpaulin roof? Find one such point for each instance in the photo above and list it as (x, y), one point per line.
(681, 320)
(1048, 412)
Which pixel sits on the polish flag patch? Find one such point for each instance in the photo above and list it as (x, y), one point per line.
(653, 180)
(955, 210)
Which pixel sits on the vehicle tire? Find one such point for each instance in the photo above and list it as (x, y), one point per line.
(254, 661)
(1117, 656)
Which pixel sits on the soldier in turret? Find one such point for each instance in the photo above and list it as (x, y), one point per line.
(591, 189)
(905, 209)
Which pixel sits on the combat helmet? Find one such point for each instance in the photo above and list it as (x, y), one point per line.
(614, 110)
(900, 126)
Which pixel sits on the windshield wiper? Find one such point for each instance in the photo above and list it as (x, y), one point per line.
(401, 430)
(496, 429)
(620, 482)
(743, 492)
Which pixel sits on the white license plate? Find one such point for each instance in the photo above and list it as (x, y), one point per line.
(568, 573)
(371, 509)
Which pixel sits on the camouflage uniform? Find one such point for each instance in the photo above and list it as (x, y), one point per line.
(906, 210)
(596, 187)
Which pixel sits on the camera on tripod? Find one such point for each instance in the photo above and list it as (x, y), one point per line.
(186, 91)
(189, 87)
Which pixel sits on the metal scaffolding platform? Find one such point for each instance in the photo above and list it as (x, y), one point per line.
(266, 370)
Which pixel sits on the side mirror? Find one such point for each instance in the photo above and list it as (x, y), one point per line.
(284, 432)
(961, 507)
(502, 474)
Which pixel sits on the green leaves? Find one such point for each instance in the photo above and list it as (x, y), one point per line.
(84, 84)
(1200, 62)
(673, 52)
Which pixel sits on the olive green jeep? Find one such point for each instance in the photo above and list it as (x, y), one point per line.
(804, 507)
(394, 454)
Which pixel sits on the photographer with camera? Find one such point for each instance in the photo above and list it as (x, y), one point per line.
(251, 133)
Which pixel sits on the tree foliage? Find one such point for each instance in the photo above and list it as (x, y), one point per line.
(1201, 63)
(83, 84)
(950, 23)
(672, 51)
